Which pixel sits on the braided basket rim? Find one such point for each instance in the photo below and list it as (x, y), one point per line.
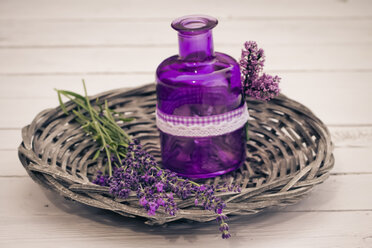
(289, 152)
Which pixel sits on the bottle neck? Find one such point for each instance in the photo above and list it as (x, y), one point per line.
(195, 46)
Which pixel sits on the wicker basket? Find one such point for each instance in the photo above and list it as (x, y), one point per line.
(289, 151)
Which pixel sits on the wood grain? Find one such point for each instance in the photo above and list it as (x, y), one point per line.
(133, 10)
(299, 58)
(10, 139)
(124, 33)
(326, 229)
(44, 218)
(321, 230)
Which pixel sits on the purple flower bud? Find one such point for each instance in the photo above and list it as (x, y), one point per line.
(226, 235)
(152, 208)
(224, 227)
(263, 87)
(221, 217)
(160, 202)
(202, 187)
(170, 196)
(143, 201)
(159, 186)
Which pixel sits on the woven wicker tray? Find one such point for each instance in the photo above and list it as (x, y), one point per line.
(289, 151)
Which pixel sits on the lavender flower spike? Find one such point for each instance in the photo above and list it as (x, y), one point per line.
(252, 60)
(262, 87)
(156, 187)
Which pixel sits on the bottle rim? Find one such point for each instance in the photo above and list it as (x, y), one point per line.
(194, 23)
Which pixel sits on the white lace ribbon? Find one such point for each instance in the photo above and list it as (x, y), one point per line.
(202, 126)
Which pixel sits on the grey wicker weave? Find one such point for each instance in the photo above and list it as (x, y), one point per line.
(289, 151)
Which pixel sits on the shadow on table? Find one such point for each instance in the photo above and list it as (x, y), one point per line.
(181, 229)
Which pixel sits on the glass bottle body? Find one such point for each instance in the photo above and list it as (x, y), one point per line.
(197, 83)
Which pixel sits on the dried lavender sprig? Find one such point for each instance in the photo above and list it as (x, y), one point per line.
(262, 87)
(136, 170)
(156, 187)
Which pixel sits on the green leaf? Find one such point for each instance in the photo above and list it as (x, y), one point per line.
(63, 106)
(70, 93)
(96, 155)
(102, 128)
(246, 131)
(129, 119)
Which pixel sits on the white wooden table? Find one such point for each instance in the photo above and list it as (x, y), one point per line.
(321, 49)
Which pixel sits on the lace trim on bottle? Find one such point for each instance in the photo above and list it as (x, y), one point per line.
(205, 126)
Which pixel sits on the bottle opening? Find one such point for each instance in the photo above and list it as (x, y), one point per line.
(194, 23)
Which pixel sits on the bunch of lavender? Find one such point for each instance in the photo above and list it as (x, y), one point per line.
(262, 87)
(156, 187)
(131, 169)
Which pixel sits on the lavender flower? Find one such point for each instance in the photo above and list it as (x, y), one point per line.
(154, 187)
(101, 179)
(252, 61)
(224, 228)
(226, 235)
(262, 87)
(159, 186)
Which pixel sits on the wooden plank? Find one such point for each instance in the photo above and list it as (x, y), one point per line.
(336, 98)
(339, 192)
(116, 9)
(352, 160)
(35, 34)
(31, 108)
(45, 218)
(10, 166)
(54, 61)
(10, 139)
(42, 87)
(352, 137)
(282, 230)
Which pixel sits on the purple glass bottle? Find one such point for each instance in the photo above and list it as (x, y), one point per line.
(191, 87)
